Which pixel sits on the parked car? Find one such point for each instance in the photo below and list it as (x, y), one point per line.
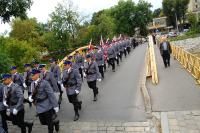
(172, 34)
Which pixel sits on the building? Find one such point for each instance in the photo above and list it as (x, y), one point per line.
(194, 6)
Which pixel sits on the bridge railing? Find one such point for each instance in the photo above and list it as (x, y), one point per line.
(189, 61)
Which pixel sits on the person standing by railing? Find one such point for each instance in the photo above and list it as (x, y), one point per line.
(165, 51)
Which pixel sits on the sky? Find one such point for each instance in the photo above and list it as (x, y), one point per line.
(42, 8)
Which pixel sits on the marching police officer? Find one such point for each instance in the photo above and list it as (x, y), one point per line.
(99, 58)
(55, 69)
(13, 100)
(121, 50)
(116, 47)
(17, 78)
(111, 57)
(48, 76)
(72, 82)
(43, 97)
(128, 46)
(92, 75)
(3, 109)
(79, 60)
(27, 80)
(35, 64)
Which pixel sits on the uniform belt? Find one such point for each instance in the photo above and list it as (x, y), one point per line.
(71, 85)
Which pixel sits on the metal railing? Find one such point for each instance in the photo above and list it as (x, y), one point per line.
(189, 61)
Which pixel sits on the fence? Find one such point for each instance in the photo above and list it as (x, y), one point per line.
(189, 61)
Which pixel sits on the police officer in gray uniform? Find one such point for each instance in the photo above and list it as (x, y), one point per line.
(55, 69)
(99, 58)
(17, 78)
(79, 60)
(43, 98)
(111, 57)
(128, 46)
(13, 100)
(124, 44)
(92, 75)
(121, 50)
(116, 47)
(27, 80)
(48, 76)
(3, 109)
(72, 82)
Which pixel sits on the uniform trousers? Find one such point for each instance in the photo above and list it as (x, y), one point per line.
(46, 118)
(19, 120)
(93, 85)
(101, 70)
(112, 63)
(74, 100)
(166, 58)
(3, 120)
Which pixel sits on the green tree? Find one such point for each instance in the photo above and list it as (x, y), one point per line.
(172, 7)
(65, 23)
(192, 20)
(28, 33)
(157, 13)
(14, 8)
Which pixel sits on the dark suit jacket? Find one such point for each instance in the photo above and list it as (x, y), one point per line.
(168, 48)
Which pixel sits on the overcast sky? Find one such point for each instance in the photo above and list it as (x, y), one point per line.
(42, 8)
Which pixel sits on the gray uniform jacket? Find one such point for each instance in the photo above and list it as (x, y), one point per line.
(72, 81)
(16, 97)
(18, 79)
(2, 107)
(48, 76)
(121, 48)
(56, 72)
(99, 56)
(46, 96)
(111, 52)
(79, 61)
(92, 71)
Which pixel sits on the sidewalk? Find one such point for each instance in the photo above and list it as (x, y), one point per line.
(176, 99)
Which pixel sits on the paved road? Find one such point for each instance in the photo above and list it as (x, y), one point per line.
(176, 90)
(120, 98)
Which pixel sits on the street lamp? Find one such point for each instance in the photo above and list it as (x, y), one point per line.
(176, 19)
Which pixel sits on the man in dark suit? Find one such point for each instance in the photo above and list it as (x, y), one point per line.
(165, 51)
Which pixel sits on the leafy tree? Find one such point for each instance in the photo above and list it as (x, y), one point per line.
(192, 20)
(172, 7)
(65, 23)
(157, 13)
(28, 33)
(14, 8)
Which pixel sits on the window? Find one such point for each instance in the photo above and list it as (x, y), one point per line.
(196, 1)
(196, 6)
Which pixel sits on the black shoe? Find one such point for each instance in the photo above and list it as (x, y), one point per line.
(113, 70)
(76, 117)
(57, 126)
(30, 126)
(95, 98)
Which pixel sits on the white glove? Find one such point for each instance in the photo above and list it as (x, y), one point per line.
(30, 99)
(84, 75)
(56, 109)
(15, 112)
(5, 104)
(8, 112)
(99, 80)
(62, 87)
(77, 91)
(59, 82)
(25, 86)
(82, 67)
(102, 64)
(116, 58)
(119, 53)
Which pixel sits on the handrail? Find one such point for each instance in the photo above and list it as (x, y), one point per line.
(189, 61)
(152, 67)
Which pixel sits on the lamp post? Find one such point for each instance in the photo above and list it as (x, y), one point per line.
(176, 19)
